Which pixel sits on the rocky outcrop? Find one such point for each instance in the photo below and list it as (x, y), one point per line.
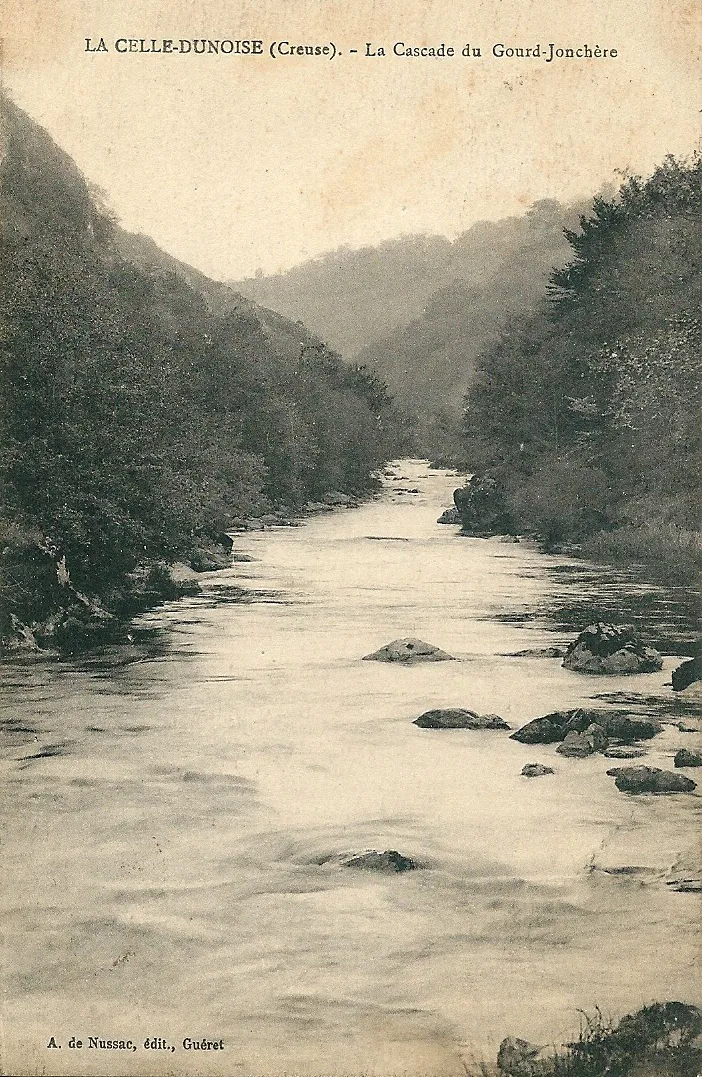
(650, 780)
(686, 758)
(481, 506)
(389, 862)
(450, 516)
(409, 651)
(608, 649)
(458, 718)
(536, 770)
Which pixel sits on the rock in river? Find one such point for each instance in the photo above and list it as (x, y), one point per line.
(536, 770)
(619, 752)
(458, 718)
(409, 650)
(578, 745)
(650, 780)
(388, 863)
(687, 673)
(604, 648)
(685, 758)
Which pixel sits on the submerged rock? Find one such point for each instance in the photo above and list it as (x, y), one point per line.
(685, 758)
(536, 770)
(539, 652)
(620, 752)
(387, 863)
(608, 649)
(650, 780)
(409, 650)
(450, 516)
(458, 718)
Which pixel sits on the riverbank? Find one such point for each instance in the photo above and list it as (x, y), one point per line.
(37, 577)
(194, 797)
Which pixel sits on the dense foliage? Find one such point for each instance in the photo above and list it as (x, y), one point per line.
(136, 419)
(587, 412)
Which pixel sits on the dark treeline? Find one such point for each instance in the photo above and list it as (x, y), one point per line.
(137, 419)
(586, 414)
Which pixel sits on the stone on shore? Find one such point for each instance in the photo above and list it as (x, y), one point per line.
(459, 718)
(650, 780)
(536, 770)
(409, 651)
(450, 516)
(686, 758)
(608, 649)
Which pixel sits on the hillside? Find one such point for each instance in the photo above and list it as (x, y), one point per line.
(144, 407)
(419, 310)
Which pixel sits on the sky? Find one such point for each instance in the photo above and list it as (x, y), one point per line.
(244, 163)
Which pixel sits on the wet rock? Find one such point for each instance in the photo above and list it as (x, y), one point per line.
(450, 516)
(689, 727)
(553, 727)
(389, 862)
(629, 727)
(409, 650)
(539, 652)
(536, 770)
(650, 780)
(619, 752)
(458, 718)
(687, 673)
(579, 745)
(518, 1058)
(608, 649)
(481, 505)
(685, 758)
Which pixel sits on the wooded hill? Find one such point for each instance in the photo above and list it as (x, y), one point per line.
(142, 405)
(418, 310)
(586, 413)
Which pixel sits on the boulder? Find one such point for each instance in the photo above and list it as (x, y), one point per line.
(458, 718)
(650, 780)
(629, 727)
(409, 650)
(619, 752)
(518, 1058)
(687, 673)
(553, 727)
(389, 862)
(481, 506)
(685, 758)
(578, 745)
(536, 770)
(608, 649)
(450, 516)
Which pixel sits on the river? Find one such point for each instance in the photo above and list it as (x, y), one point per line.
(175, 799)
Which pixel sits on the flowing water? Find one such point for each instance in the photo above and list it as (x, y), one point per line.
(176, 804)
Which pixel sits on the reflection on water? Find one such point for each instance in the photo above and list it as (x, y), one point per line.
(181, 803)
